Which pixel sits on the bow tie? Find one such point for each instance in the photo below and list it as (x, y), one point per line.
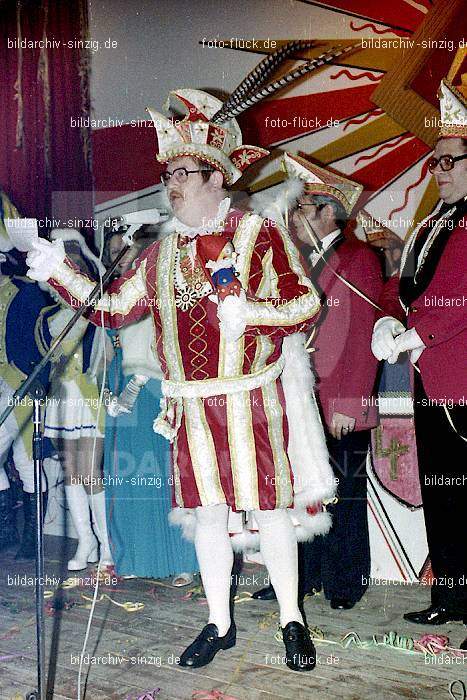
(314, 257)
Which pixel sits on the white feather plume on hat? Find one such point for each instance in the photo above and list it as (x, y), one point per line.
(275, 202)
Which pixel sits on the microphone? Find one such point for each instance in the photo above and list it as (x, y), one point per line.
(145, 216)
(135, 219)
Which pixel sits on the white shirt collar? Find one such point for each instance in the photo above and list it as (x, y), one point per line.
(327, 241)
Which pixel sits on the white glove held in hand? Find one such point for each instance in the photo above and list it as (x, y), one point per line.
(112, 405)
(383, 342)
(232, 314)
(44, 259)
(410, 340)
(130, 393)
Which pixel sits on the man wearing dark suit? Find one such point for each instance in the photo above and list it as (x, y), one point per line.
(345, 368)
(429, 300)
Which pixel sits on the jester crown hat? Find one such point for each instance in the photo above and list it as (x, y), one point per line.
(453, 99)
(322, 181)
(196, 135)
(210, 131)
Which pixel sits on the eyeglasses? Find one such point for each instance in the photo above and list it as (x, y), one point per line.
(446, 162)
(181, 174)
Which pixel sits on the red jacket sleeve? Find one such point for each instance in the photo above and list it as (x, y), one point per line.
(436, 324)
(389, 300)
(281, 298)
(125, 301)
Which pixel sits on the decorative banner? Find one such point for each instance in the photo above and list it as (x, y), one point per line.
(394, 454)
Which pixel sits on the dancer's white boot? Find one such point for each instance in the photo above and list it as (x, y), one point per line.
(97, 503)
(77, 501)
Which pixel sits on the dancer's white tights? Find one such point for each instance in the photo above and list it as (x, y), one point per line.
(215, 557)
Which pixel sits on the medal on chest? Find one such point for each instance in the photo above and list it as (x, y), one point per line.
(191, 283)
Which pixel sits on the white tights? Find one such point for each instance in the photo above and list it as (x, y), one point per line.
(215, 557)
(279, 549)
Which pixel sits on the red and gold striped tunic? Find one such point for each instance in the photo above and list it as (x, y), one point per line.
(229, 446)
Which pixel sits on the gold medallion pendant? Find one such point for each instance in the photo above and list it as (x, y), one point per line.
(190, 280)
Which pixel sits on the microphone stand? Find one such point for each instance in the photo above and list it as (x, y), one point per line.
(38, 394)
(32, 386)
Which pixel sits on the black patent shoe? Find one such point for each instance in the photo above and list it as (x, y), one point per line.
(206, 645)
(435, 615)
(300, 653)
(267, 593)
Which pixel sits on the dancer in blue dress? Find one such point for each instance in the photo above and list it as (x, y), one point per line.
(137, 462)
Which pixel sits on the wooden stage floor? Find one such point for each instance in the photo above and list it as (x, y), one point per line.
(132, 652)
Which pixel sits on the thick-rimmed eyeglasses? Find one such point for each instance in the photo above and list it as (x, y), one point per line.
(181, 174)
(446, 162)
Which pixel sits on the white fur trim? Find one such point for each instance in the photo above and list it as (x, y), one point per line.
(306, 527)
(307, 450)
(186, 519)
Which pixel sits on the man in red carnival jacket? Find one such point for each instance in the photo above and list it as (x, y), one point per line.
(426, 316)
(346, 373)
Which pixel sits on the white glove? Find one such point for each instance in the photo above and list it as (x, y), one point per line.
(410, 340)
(44, 259)
(383, 341)
(130, 393)
(112, 405)
(232, 312)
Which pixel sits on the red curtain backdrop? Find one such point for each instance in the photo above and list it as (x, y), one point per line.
(45, 163)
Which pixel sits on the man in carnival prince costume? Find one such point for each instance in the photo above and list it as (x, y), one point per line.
(239, 405)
